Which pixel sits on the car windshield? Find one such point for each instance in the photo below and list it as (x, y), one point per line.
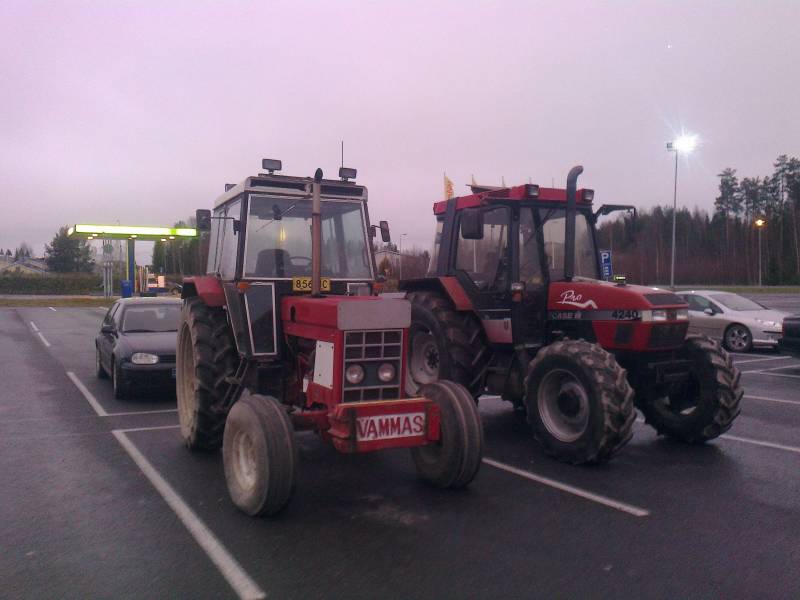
(736, 302)
(279, 239)
(585, 253)
(141, 319)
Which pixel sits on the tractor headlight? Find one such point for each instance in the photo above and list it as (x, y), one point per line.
(144, 358)
(386, 372)
(659, 315)
(354, 374)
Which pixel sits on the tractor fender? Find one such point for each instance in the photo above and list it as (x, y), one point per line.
(449, 287)
(207, 287)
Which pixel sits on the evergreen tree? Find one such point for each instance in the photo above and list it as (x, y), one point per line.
(68, 255)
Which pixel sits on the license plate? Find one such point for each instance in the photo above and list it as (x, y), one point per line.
(173, 372)
(387, 427)
(303, 284)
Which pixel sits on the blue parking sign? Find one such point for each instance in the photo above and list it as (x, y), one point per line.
(605, 264)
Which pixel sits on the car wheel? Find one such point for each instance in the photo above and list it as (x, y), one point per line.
(738, 338)
(101, 372)
(118, 382)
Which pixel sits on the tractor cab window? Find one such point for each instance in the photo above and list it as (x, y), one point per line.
(553, 220)
(279, 239)
(224, 241)
(530, 265)
(486, 261)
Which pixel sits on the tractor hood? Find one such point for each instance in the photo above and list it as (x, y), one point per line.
(347, 313)
(593, 294)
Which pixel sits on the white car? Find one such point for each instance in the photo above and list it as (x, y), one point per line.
(739, 322)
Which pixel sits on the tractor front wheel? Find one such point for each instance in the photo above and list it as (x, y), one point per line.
(579, 402)
(205, 357)
(259, 455)
(454, 460)
(703, 407)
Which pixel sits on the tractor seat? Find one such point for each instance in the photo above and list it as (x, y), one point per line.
(272, 262)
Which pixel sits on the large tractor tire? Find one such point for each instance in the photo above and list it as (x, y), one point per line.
(579, 402)
(259, 454)
(454, 460)
(704, 407)
(205, 357)
(444, 344)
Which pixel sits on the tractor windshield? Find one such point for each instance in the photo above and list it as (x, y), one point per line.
(552, 220)
(278, 242)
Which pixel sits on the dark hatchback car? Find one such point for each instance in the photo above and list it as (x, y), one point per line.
(136, 344)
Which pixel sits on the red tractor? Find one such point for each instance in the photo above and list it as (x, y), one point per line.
(284, 333)
(513, 305)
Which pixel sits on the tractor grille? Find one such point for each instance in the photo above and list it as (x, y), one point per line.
(370, 350)
(668, 335)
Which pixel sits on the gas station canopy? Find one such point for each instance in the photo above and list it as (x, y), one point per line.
(128, 232)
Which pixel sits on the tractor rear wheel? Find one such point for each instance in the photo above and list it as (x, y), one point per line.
(579, 402)
(705, 406)
(454, 460)
(444, 344)
(205, 357)
(259, 455)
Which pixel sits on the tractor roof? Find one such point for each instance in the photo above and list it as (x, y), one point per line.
(286, 185)
(528, 192)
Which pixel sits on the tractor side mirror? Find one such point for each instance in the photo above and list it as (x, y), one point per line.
(203, 218)
(385, 236)
(472, 224)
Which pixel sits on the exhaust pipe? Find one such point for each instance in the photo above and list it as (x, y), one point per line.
(569, 223)
(316, 233)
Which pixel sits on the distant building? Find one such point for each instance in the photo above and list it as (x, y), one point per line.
(24, 266)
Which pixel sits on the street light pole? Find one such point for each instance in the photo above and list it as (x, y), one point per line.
(685, 144)
(674, 218)
(759, 225)
(402, 235)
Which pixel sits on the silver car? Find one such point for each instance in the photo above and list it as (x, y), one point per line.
(739, 322)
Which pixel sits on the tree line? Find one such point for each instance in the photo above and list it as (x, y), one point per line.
(721, 248)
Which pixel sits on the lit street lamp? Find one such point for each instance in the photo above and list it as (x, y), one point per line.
(759, 225)
(683, 145)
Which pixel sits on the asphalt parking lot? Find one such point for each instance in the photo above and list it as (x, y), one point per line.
(100, 499)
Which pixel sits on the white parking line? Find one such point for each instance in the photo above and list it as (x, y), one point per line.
(44, 340)
(33, 326)
(230, 569)
(772, 369)
(128, 430)
(101, 412)
(141, 412)
(760, 443)
(611, 503)
(772, 399)
(51, 308)
(754, 360)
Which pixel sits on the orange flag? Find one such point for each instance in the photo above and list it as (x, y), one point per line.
(448, 188)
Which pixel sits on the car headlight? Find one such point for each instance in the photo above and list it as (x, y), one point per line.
(354, 374)
(144, 358)
(682, 314)
(769, 323)
(386, 372)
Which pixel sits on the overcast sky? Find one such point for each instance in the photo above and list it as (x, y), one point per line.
(141, 111)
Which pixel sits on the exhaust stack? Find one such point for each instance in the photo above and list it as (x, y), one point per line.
(316, 233)
(569, 223)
